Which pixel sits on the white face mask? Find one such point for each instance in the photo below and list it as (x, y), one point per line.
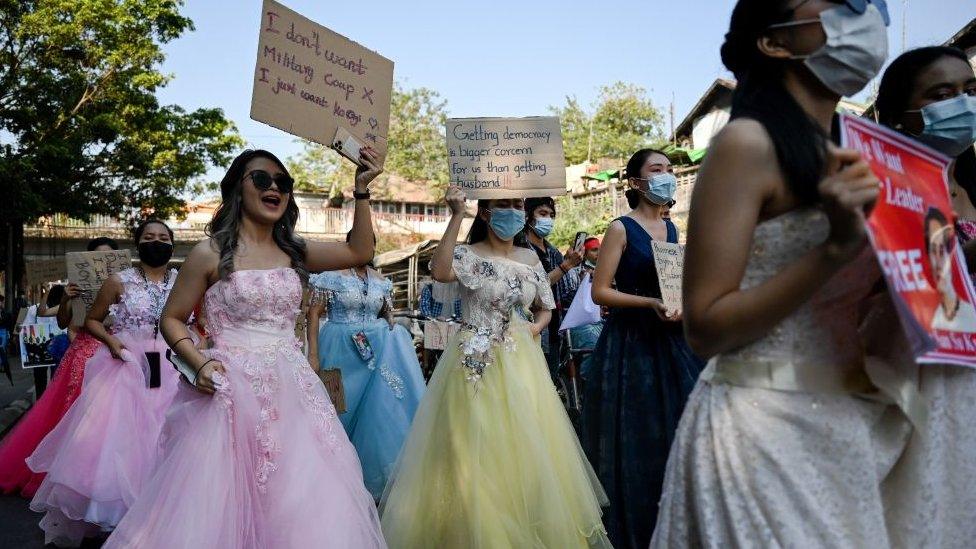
(855, 51)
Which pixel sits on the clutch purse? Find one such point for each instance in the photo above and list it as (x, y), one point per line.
(332, 379)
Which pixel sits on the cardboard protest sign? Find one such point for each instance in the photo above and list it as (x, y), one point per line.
(437, 333)
(506, 157)
(89, 270)
(669, 261)
(35, 340)
(309, 81)
(40, 271)
(912, 230)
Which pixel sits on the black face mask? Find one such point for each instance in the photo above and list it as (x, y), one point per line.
(155, 253)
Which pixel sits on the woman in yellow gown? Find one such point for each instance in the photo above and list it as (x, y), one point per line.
(492, 460)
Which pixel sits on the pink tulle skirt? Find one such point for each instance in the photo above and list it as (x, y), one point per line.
(101, 454)
(264, 463)
(61, 393)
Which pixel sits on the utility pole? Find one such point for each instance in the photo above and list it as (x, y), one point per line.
(589, 145)
(904, 25)
(674, 138)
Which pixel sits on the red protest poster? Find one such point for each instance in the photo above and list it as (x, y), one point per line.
(912, 230)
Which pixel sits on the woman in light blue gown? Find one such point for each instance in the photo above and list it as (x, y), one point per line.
(381, 377)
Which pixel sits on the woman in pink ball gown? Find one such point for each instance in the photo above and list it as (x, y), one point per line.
(254, 455)
(102, 452)
(15, 476)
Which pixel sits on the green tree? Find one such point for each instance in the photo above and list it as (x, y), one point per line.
(83, 131)
(575, 125)
(319, 169)
(623, 120)
(415, 151)
(416, 146)
(590, 215)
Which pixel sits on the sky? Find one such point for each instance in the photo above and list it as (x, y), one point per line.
(499, 58)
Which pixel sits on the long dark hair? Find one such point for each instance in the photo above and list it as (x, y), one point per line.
(633, 169)
(800, 143)
(895, 91)
(225, 226)
(479, 227)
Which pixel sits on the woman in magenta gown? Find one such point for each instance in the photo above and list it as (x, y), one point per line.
(253, 455)
(15, 476)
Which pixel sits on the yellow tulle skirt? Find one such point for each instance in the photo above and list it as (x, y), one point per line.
(495, 463)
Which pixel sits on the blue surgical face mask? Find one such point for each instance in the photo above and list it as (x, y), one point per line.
(543, 226)
(950, 125)
(660, 188)
(506, 222)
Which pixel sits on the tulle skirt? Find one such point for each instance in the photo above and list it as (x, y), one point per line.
(381, 396)
(263, 464)
(100, 455)
(61, 393)
(493, 464)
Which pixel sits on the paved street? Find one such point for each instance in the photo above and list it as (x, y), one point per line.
(18, 525)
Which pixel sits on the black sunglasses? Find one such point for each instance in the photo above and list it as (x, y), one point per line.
(262, 181)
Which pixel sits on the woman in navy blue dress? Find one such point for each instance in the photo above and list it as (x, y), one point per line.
(642, 369)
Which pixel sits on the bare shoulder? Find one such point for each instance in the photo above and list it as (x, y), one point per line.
(113, 282)
(744, 140)
(616, 228)
(204, 256)
(743, 154)
(205, 250)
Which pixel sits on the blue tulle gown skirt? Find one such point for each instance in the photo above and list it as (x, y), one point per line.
(381, 395)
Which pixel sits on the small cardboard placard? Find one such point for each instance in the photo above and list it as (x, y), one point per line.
(506, 157)
(309, 81)
(35, 340)
(437, 333)
(89, 270)
(669, 261)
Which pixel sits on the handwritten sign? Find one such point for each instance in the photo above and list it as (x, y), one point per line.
(35, 342)
(89, 270)
(506, 157)
(669, 261)
(40, 271)
(437, 333)
(912, 230)
(309, 81)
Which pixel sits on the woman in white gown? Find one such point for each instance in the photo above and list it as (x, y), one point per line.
(785, 440)
(929, 94)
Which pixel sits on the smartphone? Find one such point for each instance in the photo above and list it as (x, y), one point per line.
(361, 342)
(153, 377)
(347, 145)
(579, 240)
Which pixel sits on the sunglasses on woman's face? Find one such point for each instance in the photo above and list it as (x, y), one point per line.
(262, 181)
